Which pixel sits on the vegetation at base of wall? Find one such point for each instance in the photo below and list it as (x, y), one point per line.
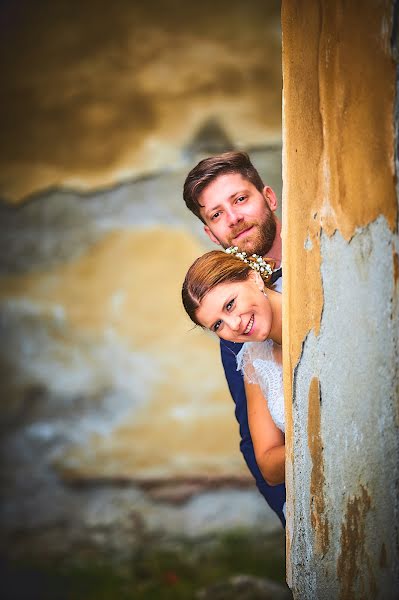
(173, 570)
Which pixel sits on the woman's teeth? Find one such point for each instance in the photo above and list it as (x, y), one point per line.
(249, 326)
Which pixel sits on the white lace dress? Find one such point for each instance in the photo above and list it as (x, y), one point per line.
(256, 361)
(258, 365)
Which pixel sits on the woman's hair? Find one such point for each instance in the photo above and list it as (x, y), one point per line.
(208, 271)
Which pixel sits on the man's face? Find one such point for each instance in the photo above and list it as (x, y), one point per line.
(237, 214)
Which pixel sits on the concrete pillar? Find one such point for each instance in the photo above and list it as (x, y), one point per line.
(341, 298)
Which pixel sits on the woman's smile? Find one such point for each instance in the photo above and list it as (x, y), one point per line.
(249, 327)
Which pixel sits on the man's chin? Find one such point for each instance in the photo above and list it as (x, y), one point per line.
(249, 245)
(256, 245)
(243, 243)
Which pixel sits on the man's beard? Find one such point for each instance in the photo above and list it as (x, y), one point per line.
(260, 239)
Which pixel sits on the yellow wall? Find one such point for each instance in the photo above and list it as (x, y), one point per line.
(340, 249)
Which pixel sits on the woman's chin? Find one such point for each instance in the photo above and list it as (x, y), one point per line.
(260, 336)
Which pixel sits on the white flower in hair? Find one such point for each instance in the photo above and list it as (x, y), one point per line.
(255, 262)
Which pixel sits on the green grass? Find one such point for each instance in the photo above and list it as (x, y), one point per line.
(168, 570)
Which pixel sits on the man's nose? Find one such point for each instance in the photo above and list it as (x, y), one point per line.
(234, 322)
(233, 217)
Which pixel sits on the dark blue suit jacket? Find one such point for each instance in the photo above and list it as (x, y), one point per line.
(274, 495)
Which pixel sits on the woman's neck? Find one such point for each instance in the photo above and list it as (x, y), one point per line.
(276, 306)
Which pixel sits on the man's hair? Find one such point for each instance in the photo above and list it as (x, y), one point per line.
(209, 169)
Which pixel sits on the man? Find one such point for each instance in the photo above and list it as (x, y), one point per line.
(237, 209)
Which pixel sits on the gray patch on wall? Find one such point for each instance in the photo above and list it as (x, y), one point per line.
(355, 358)
(58, 225)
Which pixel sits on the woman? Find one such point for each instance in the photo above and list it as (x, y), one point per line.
(225, 293)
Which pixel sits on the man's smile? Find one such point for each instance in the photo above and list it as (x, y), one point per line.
(242, 232)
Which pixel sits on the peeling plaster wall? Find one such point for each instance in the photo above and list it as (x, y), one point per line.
(116, 420)
(341, 298)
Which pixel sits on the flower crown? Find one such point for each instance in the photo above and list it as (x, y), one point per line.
(263, 266)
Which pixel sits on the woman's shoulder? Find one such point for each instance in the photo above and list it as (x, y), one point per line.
(257, 349)
(252, 351)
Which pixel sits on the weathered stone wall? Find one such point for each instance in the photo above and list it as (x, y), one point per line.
(96, 93)
(341, 299)
(116, 419)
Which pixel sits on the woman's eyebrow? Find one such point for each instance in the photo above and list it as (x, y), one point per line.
(224, 304)
(214, 325)
(229, 298)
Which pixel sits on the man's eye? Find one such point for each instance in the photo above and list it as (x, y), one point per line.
(240, 198)
(217, 325)
(230, 305)
(215, 216)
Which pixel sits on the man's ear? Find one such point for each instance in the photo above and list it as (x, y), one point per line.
(211, 236)
(270, 197)
(257, 279)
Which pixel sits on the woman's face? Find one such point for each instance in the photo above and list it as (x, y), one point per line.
(237, 311)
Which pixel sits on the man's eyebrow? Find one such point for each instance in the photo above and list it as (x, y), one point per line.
(217, 206)
(211, 210)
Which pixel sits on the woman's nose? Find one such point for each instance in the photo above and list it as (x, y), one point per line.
(234, 322)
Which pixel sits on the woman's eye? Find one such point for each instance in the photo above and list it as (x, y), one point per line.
(230, 305)
(217, 325)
